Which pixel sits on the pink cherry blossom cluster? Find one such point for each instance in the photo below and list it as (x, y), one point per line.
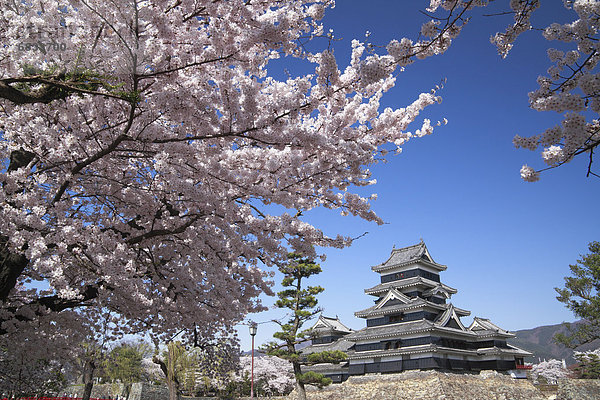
(522, 10)
(551, 370)
(571, 87)
(275, 375)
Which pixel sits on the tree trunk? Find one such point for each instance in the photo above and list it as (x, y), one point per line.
(173, 390)
(88, 379)
(172, 382)
(301, 392)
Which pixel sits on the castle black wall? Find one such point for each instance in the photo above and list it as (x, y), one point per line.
(326, 339)
(440, 341)
(430, 363)
(389, 319)
(410, 274)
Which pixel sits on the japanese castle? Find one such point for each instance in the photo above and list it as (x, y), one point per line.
(412, 325)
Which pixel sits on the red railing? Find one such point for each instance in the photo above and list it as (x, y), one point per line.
(524, 366)
(54, 398)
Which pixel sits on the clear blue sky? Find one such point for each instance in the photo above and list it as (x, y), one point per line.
(507, 243)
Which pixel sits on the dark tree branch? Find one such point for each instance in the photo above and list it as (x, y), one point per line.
(12, 266)
(52, 303)
(45, 95)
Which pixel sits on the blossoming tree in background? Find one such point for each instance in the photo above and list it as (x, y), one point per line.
(273, 376)
(570, 87)
(551, 371)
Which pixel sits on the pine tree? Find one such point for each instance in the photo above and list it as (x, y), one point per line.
(588, 364)
(581, 295)
(303, 305)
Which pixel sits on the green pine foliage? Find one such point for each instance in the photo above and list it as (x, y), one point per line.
(581, 295)
(588, 365)
(124, 362)
(302, 303)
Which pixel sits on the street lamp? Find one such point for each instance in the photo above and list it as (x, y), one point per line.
(252, 328)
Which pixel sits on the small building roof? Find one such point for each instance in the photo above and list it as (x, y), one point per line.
(484, 324)
(408, 255)
(329, 324)
(510, 350)
(340, 368)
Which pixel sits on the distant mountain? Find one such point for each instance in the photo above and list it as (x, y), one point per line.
(539, 342)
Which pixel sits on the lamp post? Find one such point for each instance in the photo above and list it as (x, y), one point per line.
(252, 328)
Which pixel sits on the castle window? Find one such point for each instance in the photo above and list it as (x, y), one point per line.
(396, 318)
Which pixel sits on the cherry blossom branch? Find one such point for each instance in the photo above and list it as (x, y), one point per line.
(182, 67)
(45, 96)
(80, 166)
(164, 232)
(42, 305)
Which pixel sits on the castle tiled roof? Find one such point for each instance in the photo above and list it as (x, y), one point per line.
(449, 314)
(329, 324)
(415, 303)
(440, 288)
(511, 350)
(391, 330)
(485, 325)
(427, 348)
(408, 282)
(408, 255)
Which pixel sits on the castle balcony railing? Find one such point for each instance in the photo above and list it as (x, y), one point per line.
(529, 366)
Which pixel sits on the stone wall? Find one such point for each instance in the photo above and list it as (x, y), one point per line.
(100, 391)
(429, 385)
(138, 391)
(410, 385)
(578, 389)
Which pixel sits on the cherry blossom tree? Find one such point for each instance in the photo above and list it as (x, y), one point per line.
(552, 371)
(273, 376)
(570, 86)
(145, 145)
